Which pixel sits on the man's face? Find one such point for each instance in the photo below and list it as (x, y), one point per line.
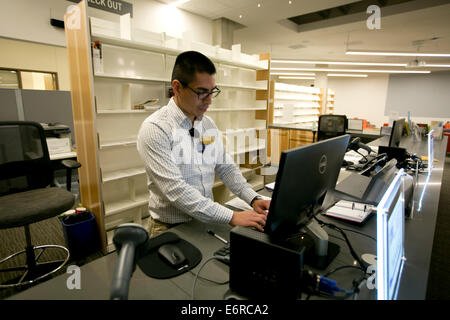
(189, 101)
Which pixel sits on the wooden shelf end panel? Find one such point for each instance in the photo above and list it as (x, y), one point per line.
(79, 54)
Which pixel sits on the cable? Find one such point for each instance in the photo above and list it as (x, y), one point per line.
(210, 280)
(336, 237)
(324, 287)
(352, 251)
(204, 264)
(343, 267)
(363, 234)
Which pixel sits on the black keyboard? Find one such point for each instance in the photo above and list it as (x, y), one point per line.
(224, 252)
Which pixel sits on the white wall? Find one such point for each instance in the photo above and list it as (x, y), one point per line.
(34, 56)
(30, 20)
(364, 98)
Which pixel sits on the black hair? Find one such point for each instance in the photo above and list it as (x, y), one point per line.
(189, 63)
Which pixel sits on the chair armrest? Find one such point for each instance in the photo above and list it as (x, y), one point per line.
(71, 164)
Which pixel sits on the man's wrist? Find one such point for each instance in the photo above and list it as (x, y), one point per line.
(253, 200)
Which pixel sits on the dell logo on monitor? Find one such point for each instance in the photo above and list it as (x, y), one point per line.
(323, 164)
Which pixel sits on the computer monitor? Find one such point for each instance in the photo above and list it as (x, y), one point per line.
(396, 132)
(304, 176)
(390, 239)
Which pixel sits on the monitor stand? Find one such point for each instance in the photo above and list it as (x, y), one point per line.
(319, 251)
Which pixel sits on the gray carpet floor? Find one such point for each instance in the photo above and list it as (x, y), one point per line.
(49, 231)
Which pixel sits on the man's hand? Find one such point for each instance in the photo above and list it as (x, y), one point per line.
(249, 218)
(261, 206)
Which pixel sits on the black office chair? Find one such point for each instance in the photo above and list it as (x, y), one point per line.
(25, 197)
(331, 125)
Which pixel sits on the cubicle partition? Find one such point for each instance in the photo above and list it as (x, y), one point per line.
(43, 106)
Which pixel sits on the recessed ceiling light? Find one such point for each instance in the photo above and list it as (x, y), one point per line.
(259, 5)
(240, 16)
(290, 2)
(398, 54)
(349, 70)
(344, 63)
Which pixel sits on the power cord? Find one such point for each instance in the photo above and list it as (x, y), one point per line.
(220, 283)
(224, 259)
(360, 233)
(352, 251)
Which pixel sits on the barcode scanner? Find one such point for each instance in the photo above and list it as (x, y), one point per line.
(129, 240)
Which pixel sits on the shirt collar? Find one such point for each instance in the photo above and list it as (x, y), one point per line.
(179, 116)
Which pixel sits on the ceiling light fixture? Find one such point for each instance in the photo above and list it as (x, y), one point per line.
(179, 2)
(397, 54)
(438, 65)
(343, 63)
(297, 78)
(292, 73)
(348, 70)
(347, 75)
(240, 16)
(259, 5)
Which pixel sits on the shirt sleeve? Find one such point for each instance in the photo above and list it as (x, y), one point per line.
(154, 146)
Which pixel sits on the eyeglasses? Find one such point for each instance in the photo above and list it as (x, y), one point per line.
(204, 94)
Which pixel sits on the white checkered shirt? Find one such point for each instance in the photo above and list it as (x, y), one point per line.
(181, 176)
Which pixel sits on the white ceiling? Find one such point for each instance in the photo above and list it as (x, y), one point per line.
(263, 33)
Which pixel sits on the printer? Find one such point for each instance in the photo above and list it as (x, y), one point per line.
(58, 138)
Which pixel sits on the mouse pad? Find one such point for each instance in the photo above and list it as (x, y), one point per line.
(155, 267)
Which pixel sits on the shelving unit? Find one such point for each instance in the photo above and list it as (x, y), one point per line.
(330, 102)
(128, 71)
(296, 104)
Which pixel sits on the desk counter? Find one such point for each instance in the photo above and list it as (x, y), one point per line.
(419, 234)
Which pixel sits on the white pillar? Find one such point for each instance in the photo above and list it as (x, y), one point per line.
(223, 30)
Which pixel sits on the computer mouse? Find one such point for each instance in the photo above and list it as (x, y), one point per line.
(171, 254)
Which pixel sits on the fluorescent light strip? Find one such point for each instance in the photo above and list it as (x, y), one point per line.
(292, 74)
(397, 54)
(297, 78)
(342, 63)
(347, 75)
(438, 65)
(329, 75)
(348, 70)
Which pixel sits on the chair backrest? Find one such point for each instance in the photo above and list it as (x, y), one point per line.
(331, 125)
(24, 159)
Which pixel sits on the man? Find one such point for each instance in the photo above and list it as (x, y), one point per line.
(182, 151)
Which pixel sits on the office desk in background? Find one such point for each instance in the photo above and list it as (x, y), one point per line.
(419, 234)
(366, 136)
(62, 156)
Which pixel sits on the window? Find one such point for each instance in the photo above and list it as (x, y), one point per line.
(9, 79)
(28, 79)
